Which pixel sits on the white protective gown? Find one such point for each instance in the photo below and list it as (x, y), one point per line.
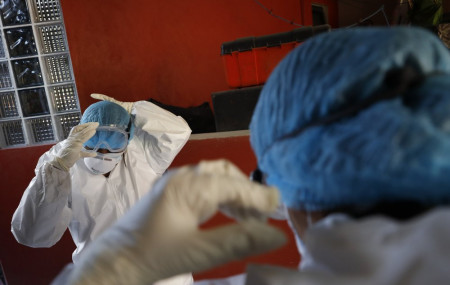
(375, 250)
(88, 204)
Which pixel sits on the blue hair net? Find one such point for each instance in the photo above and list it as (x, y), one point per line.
(107, 113)
(397, 149)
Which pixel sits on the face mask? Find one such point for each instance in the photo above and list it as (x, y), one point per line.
(103, 163)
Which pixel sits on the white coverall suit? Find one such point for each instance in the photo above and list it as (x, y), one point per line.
(88, 203)
(375, 250)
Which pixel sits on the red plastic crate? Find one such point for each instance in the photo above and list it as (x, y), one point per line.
(249, 61)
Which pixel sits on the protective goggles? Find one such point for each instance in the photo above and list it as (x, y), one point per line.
(258, 176)
(112, 138)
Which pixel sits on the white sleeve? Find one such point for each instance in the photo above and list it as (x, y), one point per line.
(43, 213)
(232, 280)
(160, 133)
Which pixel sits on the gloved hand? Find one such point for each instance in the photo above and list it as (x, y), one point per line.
(160, 236)
(126, 105)
(71, 150)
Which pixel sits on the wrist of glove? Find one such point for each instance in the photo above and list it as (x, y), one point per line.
(126, 105)
(72, 147)
(160, 236)
(59, 163)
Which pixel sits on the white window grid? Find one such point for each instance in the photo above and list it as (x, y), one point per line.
(38, 96)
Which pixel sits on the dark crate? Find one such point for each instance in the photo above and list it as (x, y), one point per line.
(233, 109)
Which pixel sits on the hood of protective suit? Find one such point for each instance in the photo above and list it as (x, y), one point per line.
(108, 114)
(375, 250)
(396, 149)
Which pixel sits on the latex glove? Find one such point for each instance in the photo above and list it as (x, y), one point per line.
(160, 236)
(126, 105)
(72, 148)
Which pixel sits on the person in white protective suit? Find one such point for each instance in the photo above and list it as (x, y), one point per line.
(353, 128)
(89, 180)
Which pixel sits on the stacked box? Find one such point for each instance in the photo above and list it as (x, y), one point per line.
(233, 109)
(248, 63)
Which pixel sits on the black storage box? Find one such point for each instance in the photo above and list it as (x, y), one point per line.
(233, 109)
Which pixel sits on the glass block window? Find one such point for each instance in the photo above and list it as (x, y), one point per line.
(66, 122)
(38, 96)
(52, 38)
(40, 129)
(20, 42)
(47, 10)
(58, 68)
(14, 12)
(33, 102)
(2, 49)
(5, 76)
(8, 107)
(11, 133)
(27, 72)
(64, 98)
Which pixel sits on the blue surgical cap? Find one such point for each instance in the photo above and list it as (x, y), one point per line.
(397, 149)
(106, 114)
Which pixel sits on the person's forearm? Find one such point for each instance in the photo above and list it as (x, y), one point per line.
(43, 215)
(161, 133)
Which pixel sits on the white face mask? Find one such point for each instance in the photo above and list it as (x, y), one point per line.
(103, 163)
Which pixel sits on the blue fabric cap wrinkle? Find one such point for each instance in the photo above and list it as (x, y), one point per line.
(395, 149)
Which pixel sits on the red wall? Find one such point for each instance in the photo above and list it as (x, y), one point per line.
(167, 50)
